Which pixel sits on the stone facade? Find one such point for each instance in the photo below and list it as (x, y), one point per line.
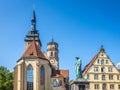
(102, 73)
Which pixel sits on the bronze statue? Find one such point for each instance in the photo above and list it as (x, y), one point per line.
(78, 68)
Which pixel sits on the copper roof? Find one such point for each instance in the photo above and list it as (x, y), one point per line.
(34, 51)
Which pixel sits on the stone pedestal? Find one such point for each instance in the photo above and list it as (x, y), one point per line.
(79, 84)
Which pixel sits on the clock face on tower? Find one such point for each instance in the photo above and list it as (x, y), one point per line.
(52, 61)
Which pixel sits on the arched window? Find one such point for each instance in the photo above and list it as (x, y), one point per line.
(55, 83)
(29, 77)
(42, 75)
(51, 54)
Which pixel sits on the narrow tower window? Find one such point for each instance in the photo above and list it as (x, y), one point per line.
(51, 54)
(29, 78)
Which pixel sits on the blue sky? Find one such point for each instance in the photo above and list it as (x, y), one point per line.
(80, 27)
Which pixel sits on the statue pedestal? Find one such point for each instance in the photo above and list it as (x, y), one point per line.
(79, 84)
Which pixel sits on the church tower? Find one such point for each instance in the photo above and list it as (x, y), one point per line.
(33, 33)
(52, 53)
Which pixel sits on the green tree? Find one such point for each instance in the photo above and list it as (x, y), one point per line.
(6, 79)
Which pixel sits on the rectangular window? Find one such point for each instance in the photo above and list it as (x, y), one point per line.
(96, 86)
(87, 76)
(102, 69)
(102, 61)
(111, 86)
(96, 69)
(110, 77)
(117, 77)
(98, 61)
(96, 76)
(106, 61)
(109, 69)
(118, 86)
(103, 77)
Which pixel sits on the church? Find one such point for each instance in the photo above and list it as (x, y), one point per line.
(36, 70)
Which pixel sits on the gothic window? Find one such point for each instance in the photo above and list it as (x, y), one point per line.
(95, 69)
(102, 61)
(109, 69)
(55, 83)
(29, 77)
(102, 69)
(103, 77)
(42, 75)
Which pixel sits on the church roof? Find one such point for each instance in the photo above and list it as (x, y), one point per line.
(34, 51)
(61, 73)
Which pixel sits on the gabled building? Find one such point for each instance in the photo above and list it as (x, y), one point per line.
(36, 70)
(101, 73)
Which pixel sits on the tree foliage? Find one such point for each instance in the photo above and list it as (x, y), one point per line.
(6, 79)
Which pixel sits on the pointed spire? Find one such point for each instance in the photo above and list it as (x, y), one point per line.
(52, 39)
(33, 34)
(102, 49)
(33, 21)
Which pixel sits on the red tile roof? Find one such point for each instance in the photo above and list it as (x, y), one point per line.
(89, 65)
(34, 51)
(61, 73)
